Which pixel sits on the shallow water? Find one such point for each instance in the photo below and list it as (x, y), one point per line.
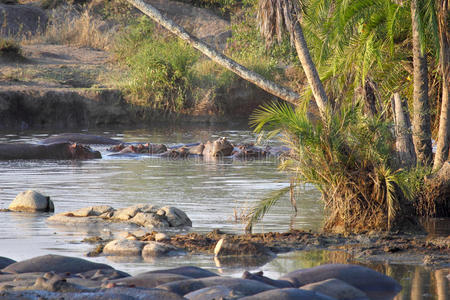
(214, 194)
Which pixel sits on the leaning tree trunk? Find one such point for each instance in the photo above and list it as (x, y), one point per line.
(404, 144)
(421, 117)
(310, 68)
(267, 85)
(444, 125)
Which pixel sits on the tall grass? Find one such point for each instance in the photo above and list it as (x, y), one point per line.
(72, 26)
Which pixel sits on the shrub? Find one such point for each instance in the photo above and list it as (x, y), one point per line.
(348, 157)
(10, 48)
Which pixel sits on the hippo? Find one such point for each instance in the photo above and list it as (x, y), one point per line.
(375, 285)
(219, 148)
(81, 138)
(51, 151)
(246, 151)
(138, 149)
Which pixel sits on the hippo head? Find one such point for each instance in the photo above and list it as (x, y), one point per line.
(78, 151)
(218, 148)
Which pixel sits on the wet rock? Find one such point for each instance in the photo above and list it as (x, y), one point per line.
(146, 215)
(375, 285)
(176, 217)
(337, 289)
(288, 294)
(190, 271)
(260, 277)
(213, 292)
(228, 246)
(31, 201)
(92, 211)
(155, 249)
(124, 247)
(55, 263)
(124, 214)
(4, 261)
(219, 148)
(161, 237)
(149, 220)
(237, 285)
(149, 280)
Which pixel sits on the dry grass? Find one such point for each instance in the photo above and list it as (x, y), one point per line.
(68, 26)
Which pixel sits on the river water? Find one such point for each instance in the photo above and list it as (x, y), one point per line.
(214, 194)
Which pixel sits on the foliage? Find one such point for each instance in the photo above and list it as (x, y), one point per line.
(348, 157)
(158, 67)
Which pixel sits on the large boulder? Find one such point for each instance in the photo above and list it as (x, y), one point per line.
(31, 201)
(54, 263)
(375, 285)
(24, 20)
(176, 217)
(337, 289)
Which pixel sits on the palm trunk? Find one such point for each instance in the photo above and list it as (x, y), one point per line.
(267, 85)
(421, 117)
(310, 69)
(444, 126)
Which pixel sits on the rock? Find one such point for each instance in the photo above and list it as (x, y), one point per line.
(337, 289)
(124, 247)
(148, 280)
(213, 292)
(4, 261)
(161, 237)
(55, 263)
(127, 213)
(227, 246)
(237, 285)
(288, 294)
(176, 217)
(190, 271)
(219, 148)
(154, 249)
(92, 211)
(259, 277)
(375, 285)
(149, 220)
(31, 201)
(22, 20)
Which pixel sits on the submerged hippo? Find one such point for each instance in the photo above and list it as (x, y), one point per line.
(87, 139)
(52, 151)
(246, 151)
(139, 149)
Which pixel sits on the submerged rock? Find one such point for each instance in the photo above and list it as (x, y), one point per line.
(31, 201)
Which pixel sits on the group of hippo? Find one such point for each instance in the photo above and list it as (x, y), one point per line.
(76, 146)
(70, 278)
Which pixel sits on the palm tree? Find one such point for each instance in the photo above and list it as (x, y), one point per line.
(421, 116)
(444, 58)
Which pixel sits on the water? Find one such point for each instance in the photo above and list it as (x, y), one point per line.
(214, 194)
